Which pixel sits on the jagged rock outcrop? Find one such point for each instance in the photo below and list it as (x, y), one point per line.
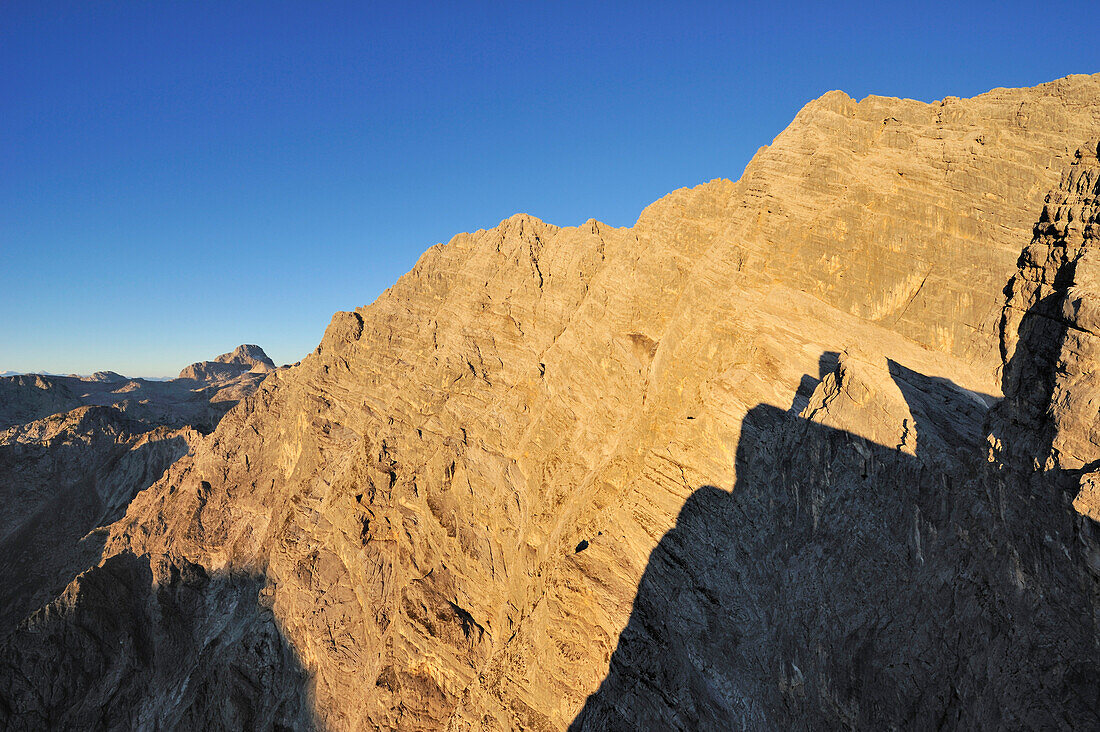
(1050, 419)
(1050, 321)
(623, 477)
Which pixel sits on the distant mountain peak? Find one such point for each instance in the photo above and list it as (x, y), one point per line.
(246, 357)
(107, 376)
(249, 354)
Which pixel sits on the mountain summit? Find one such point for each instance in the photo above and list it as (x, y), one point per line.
(244, 358)
(248, 355)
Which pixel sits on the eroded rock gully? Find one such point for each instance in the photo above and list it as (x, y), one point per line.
(733, 467)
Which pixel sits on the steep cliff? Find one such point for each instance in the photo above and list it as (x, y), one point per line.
(610, 477)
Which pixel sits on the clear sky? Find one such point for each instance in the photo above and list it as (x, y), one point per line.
(177, 178)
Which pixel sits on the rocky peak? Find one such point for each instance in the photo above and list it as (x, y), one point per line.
(242, 359)
(1050, 330)
(249, 355)
(107, 377)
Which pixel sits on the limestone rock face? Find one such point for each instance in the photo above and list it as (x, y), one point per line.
(728, 468)
(61, 477)
(909, 214)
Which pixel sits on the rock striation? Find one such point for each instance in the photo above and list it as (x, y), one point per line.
(893, 556)
(742, 465)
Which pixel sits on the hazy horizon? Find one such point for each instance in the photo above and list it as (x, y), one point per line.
(181, 179)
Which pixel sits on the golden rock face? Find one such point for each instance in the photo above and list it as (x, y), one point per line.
(680, 475)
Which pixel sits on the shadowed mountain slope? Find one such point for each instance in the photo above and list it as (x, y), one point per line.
(73, 453)
(128, 646)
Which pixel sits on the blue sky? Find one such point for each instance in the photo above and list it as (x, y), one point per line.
(181, 177)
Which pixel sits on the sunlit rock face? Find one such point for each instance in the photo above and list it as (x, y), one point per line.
(728, 467)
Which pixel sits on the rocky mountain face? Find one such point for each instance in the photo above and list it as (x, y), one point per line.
(73, 453)
(892, 556)
(743, 465)
(61, 479)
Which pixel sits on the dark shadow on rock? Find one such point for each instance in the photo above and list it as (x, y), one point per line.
(1029, 378)
(58, 497)
(118, 650)
(949, 420)
(826, 364)
(846, 584)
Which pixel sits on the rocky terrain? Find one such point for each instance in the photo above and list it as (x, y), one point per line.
(746, 464)
(199, 398)
(229, 366)
(73, 453)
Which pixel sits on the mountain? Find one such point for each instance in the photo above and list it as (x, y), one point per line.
(198, 400)
(243, 359)
(73, 453)
(743, 465)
